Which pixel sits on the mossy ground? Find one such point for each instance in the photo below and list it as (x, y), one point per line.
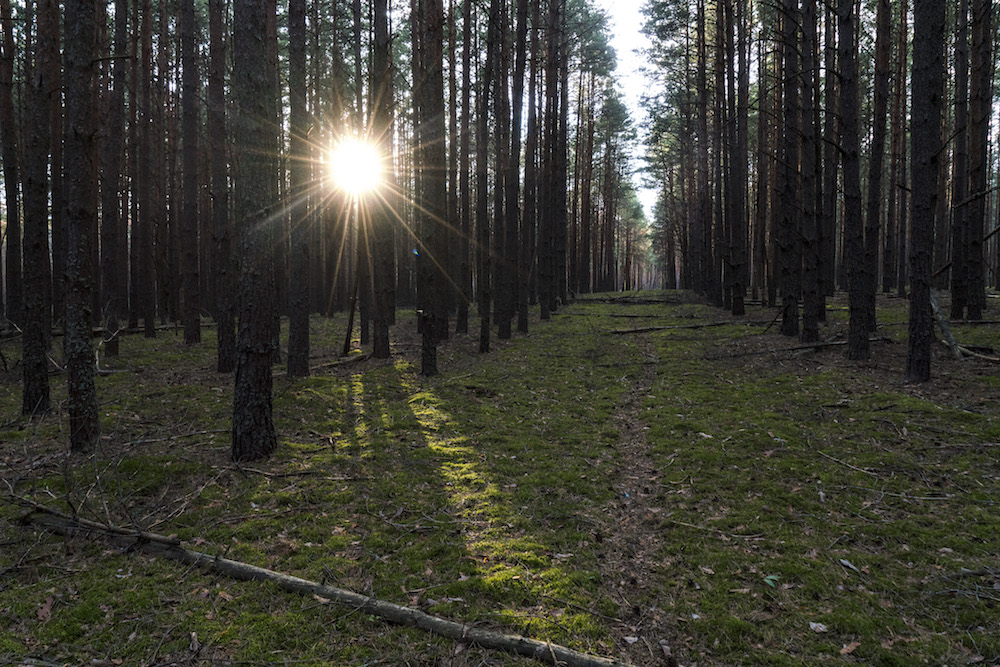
(702, 491)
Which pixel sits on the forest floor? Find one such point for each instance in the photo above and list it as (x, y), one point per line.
(642, 477)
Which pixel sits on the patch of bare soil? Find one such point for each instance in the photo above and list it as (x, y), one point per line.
(628, 540)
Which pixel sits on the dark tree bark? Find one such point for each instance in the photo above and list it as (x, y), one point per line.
(465, 195)
(37, 320)
(382, 214)
(698, 256)
(810, 224)
(501, 169)
(112, 239)
(960, 168)
(512, 208)
(788, 233)
(483, 250)
(254, 88)
(301, 216)
(895, 220)
(876, 195)
(927, 91)
(191, 123)
(222, 262)
(11, 168)
(433, 181)
(831, 161)
(854, 249)
(143, 258)
(530, 219)
(979, 121)
(81, 215)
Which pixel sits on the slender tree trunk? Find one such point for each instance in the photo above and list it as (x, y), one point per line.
(927, 90)
(960, 168)
(301, 215)
(789, 246)
(222, 262)
(191, 123)
(810, 223)
(857, 341)
(895, 221)
(255, 198)
(831, 160)
(382, 214)
(80, 141)
(483, 250)
(501, 130)
(873, 215)
(530, 219)
(11, 169)
(433, 181)
(464, 184)
(980, 111)
(37, 320)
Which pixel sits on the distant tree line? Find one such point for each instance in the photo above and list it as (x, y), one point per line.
(801, 147)
(165, 161)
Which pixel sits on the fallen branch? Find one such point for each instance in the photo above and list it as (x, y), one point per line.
(795, 348)
(167, 547)
(703, 325)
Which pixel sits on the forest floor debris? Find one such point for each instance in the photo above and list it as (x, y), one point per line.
(495, 495)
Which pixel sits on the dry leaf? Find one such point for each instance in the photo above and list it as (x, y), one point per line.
(225, 596)
(706, 570)
(630, 640)
(817, 627)
(850, 648)
(45, 611)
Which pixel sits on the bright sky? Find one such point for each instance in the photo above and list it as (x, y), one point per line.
(626, 36)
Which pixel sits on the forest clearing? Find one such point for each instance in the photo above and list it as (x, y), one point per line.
(642, 478)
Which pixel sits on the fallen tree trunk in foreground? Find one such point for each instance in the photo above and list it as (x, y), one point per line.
(169, 547)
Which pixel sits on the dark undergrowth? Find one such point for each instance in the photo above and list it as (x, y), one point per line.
(801, 509)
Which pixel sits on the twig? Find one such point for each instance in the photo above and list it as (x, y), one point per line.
(845, 463)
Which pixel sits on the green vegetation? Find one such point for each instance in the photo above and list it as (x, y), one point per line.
(706, 491)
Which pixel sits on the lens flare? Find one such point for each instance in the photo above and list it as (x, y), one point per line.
(355, 166)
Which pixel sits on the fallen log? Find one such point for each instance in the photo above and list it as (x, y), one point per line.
(169, 547)
(702, 325)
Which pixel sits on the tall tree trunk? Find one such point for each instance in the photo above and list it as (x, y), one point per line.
(810, 224)
(11, 168)
(300, 214)
(873, 215)
(145, 222)
(895, 221)
(222, 262)
(789, 247)
(960, 168)
(530, 219)
(981, 107)
(927, 90)
(831, 160)
(433, 181)
(854, 250)
(191, 123)
(80, 140)
(112, 152)
(382, 214)
(501, 130)
(255, 196)
(483, 251)
(37, 320)
(465, 195)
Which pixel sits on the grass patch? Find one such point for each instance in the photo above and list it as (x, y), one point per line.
(771, 506)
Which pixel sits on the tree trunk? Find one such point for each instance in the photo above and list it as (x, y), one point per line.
(854, 250)
(960, 168)
(254, 88)
(927, 90)
(11, 169)
(981, 108)
(37, 319)
(222, 262)
(299, 208)
(811, 302)
(382, 127)
(464, 180)
(876, 197)
(191, 123)
(80, 142)
(788, 233)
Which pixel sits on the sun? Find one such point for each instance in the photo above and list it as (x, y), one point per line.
(355, 166)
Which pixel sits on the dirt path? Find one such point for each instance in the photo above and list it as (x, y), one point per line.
(631, 536)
